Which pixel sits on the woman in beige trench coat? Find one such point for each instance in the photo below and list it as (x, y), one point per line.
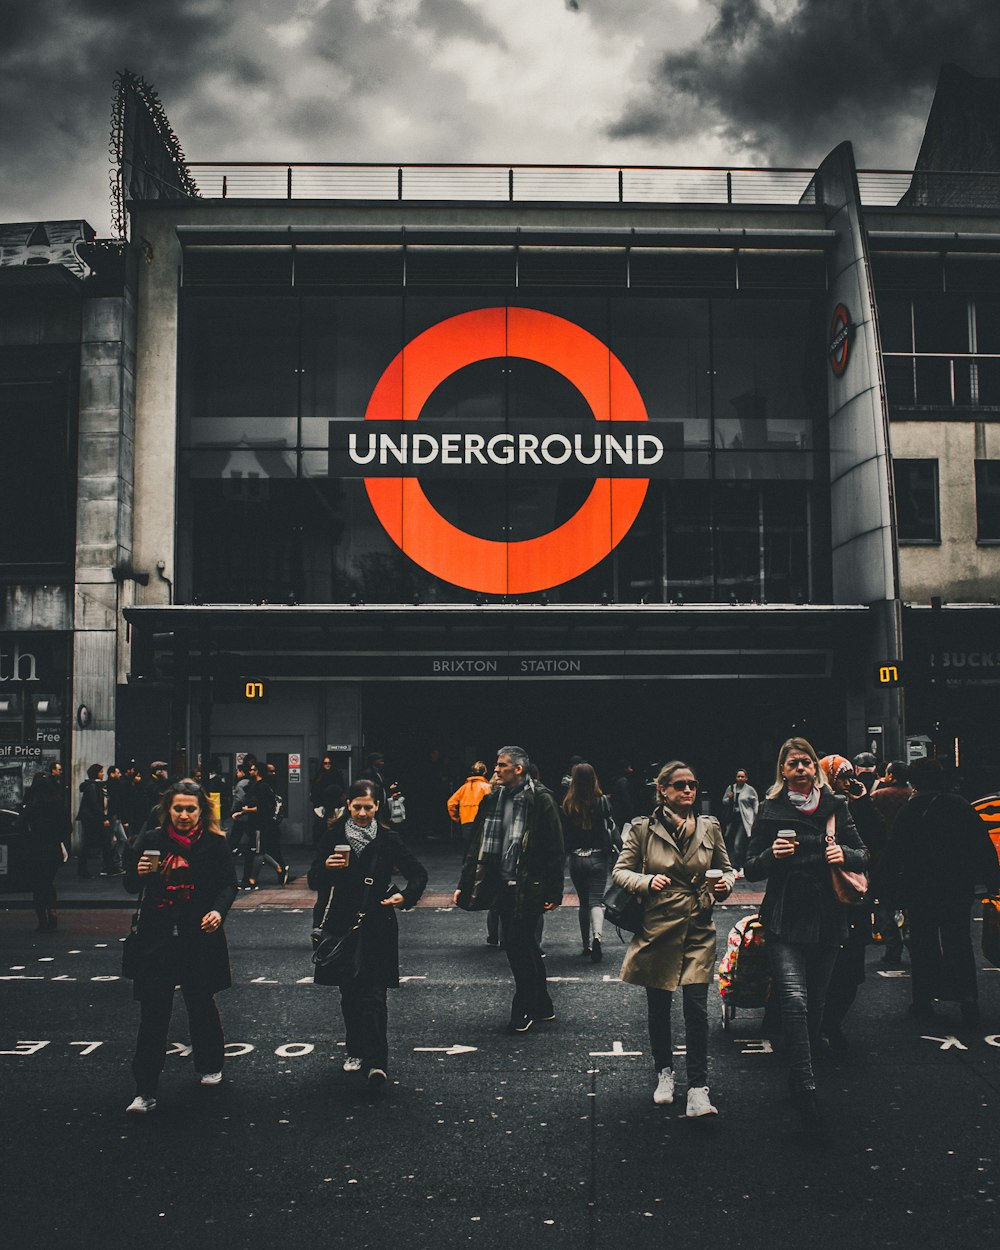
(666, 860)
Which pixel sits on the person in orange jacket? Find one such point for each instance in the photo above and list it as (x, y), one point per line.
(464, 803)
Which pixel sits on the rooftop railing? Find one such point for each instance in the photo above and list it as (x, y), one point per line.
(591, 184)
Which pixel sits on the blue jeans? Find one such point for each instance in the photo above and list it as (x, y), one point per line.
(589, 874)
(801, 972)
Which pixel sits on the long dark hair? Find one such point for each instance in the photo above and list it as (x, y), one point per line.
(583, 795)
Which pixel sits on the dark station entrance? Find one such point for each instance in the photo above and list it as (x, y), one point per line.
(436, 687)
(432, 731)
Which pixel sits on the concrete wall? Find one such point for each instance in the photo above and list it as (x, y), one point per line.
(103, 518)
(956, 569)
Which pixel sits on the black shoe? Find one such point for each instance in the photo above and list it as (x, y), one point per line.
(520, 1024)
(596, 954)
(835, 1039)
(492, 941)
(971, 1019)
(586, 952)
(377, 1081)
(807, 1106)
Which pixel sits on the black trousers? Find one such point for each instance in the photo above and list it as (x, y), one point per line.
(847, 976)
(156, 1006)
(942, 964)
(366, 1021)
(520, 944)
(658, 1004)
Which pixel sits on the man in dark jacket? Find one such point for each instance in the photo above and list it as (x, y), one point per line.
(939, 855)
(93, 817)
(514, 862)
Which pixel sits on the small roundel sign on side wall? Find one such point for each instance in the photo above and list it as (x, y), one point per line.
(487, 565)
(841, 335)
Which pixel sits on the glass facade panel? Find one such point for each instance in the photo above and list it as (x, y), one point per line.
(506, 485)
(917, 512)
(988, 501)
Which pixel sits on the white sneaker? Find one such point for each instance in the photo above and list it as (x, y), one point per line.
(210, 1078)
(140, 1105)
(352, 1064)
(698, 1102)
(663, 1095)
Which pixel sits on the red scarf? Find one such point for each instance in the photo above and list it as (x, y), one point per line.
(185, 840)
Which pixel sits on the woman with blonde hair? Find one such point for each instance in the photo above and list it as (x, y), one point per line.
(803, 921)
(676, 861)
(185, 872)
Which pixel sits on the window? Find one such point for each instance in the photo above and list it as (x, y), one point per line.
(988, 501)
(917, 512)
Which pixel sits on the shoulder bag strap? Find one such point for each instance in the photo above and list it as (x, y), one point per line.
(362, 911)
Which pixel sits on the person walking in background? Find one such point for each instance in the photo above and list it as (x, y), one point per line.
(849, 969)
(889, 797)
(803, 921)
(621, 794)
(48, 828)
(326, 795)
(739, 811)
(93, 817)
(939, 856)
(359, 880)
(464, 803)
(677, 863)
(587, 826)
(117, 837)
(515, 862)
(264, 809)
(185, 873)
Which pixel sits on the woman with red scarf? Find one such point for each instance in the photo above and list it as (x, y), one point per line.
(188, 883)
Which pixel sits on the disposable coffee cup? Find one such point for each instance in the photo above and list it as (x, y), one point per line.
(790, 835)
(154, 855)
(713, 875)
(345, 850)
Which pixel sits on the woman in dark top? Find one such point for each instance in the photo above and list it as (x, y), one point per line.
(586, 816)
(47, 821)
(361, 880)
(188, 883)
(803, 921)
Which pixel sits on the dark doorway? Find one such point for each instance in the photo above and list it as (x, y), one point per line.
(432, 731)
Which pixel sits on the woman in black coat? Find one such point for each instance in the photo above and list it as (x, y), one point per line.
(188, 883)
(803, 921)
(47, 821)
(587, 824)
(360, 880)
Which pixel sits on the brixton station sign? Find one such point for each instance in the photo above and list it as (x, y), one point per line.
(617, 447)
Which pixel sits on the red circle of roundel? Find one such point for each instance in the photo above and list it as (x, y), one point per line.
(483, 564)
(840, 340)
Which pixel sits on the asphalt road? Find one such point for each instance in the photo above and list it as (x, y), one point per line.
(549, 1139)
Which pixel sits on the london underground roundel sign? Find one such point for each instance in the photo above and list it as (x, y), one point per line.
(483, 564)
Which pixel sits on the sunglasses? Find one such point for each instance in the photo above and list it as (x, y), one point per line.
(681, 785)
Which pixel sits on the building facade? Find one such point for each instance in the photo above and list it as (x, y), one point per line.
(616, 463)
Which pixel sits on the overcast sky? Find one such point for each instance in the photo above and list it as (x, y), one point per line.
(776, 82)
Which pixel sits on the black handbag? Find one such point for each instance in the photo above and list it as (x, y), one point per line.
(337, 956)
(131, 951)
(622, 908)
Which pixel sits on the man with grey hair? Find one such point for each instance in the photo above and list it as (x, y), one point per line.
(514, 862)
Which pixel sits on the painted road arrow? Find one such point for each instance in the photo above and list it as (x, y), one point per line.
(445, 1050)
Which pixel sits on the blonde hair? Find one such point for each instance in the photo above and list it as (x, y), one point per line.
(190, 788)
(668, 770)
(787, 747)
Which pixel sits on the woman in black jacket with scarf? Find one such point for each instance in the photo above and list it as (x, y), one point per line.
(188, 883)
(803, 921)
(360, 881)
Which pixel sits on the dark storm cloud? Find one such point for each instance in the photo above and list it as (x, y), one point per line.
(788, 80)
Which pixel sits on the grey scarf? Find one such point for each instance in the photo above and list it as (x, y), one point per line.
(357, 837)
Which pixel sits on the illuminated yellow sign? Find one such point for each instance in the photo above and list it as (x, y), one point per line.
(888, 674)
(254, 691)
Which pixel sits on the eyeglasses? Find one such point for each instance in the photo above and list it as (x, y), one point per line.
(681, 785)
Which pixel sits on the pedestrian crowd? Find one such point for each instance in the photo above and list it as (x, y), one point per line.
(847, 857)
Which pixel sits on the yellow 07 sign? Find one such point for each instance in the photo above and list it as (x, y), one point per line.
(254, 690)
(890, 674)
